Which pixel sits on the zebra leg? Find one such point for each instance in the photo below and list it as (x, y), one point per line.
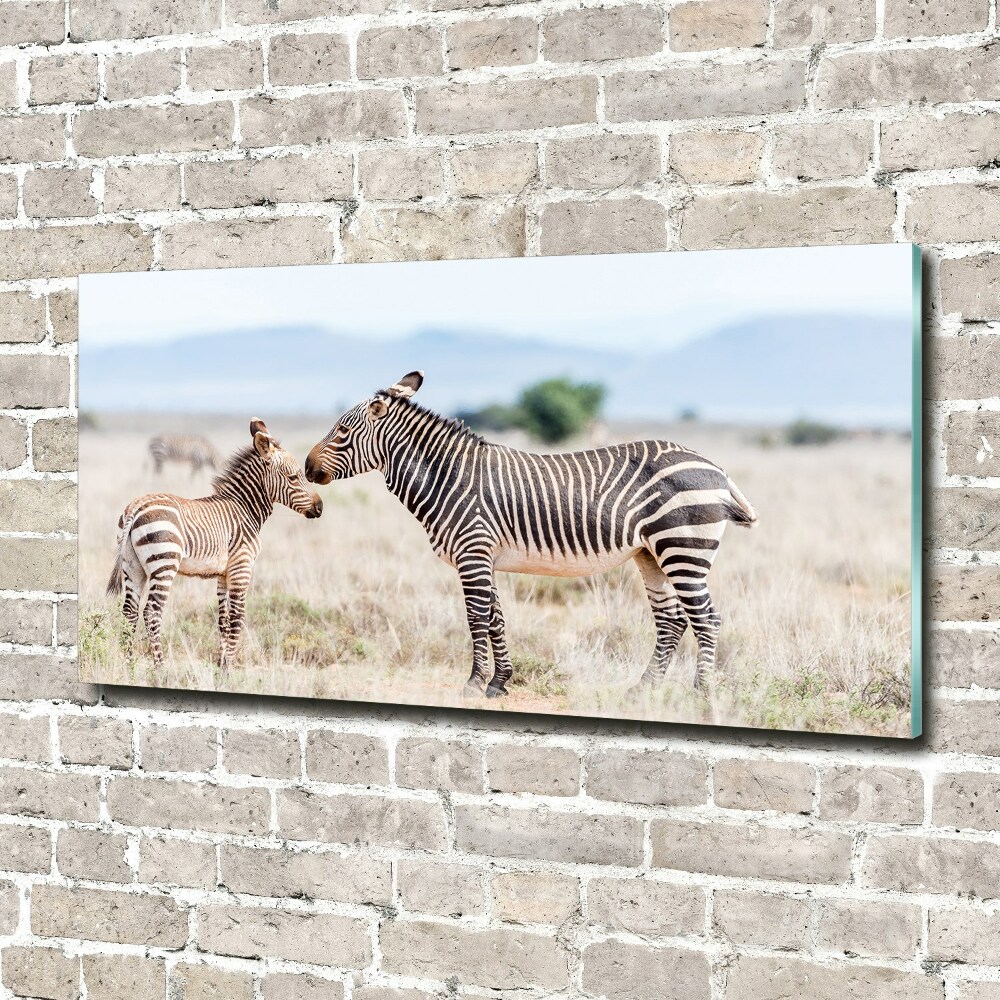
(130, 608)
(503, 669)
(222, 591)
(705, 622)
(152, 614)
(238, 578)
(668, 617)
(476, 574)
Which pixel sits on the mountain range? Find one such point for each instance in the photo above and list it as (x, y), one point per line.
(852, 369)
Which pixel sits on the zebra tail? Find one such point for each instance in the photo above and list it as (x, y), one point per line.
(740, 509)
(115, 583)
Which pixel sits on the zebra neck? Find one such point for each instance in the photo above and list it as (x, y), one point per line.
(250, 499)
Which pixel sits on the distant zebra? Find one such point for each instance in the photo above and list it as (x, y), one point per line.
(161, 536)
(194, 449)
(486, 507)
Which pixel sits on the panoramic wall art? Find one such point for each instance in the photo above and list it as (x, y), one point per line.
(671, 487)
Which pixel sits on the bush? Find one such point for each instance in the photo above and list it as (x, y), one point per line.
(804, 432)
(556, 409)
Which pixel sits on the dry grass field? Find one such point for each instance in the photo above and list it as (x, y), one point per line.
(815, 599)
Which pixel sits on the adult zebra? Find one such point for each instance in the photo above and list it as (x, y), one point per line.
(194, 449)
(162, 536)
(486, 507)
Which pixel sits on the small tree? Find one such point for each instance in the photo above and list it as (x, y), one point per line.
(557, 408)
(803, 431)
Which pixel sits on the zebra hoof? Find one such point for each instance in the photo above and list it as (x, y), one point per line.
(496, 692)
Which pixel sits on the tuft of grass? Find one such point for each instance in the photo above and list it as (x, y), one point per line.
(537, 676)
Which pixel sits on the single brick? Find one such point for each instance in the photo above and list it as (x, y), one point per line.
(967, 800)
(430, 763)
(10, 908)
(257, 932)
(548, 835)
(32, 138)
(587, 35)
(49, 795)
(9, 97)
(954, 213)
(752, 851)
(906, 76)
(485, 170)
(466, 231)
(515, 958)
(201, 982)
(178, 748)
(168, 129)
(413, 50)
(646, 906)
(753, 977)
(39, 22)
(100, 915)
(832, 215)
(659, 778)
(59, 193)
(142, 187)
(8, 196)
(247, 243)
(299, 986)
(37, 564)
(962, 367)
(42, 505)
(933, 142)
(963, 593)
(625, 225)
(971, 286)
(621, 970)
(22, 318)
(869, 929)
(364, 819)
(308, 59)
(963, 727)
(25, 849)
(64, 317)
(401, 174)
(26, 622)
(867, 794)
(25, 737)
(535, 897)
(985, 990)
(823, 152)
(961, 658)
(66, 626)
(535, 769)
(26, 676)
(603, 161)
(962, 934)
(54, 251)
(182, 805)
(13, 443)
(93, 854)
(233, 66)
(142, 74)
(41, 972)
(347, 758)
(268, 12)
(963, 518)
(784, 786)
(166, 861)
(932, 864)
(63, 79)
(506, 104)
(506, 41)
(968, 438)
(448, 890)
(753, 88)
(93, 19)
(390, 993)
(762, 919)
(921, 18)
(54, 444)
(718, 24)
(808, 22)
(267, 753)
(349, 877)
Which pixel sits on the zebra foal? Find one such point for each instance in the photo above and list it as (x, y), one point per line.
(161, 536)
(486, 508)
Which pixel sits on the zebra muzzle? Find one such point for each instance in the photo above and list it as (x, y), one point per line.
(316, 509)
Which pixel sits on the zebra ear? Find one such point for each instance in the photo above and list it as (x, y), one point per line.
(263, 444)
(257, 426)
(378, 407)
(406, 386)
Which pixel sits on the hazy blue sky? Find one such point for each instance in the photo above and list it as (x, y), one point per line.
(634, 298)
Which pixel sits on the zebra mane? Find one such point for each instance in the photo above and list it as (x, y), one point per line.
(452, 423)
(235, 466)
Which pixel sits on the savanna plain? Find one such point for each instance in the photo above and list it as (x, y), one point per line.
(815, 599)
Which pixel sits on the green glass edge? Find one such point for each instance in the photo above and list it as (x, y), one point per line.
(916, 630)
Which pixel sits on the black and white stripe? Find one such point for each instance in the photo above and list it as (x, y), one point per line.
(162, 536)
(486, 508)
(193, 449)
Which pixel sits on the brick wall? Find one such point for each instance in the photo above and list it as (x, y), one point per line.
(156, 845)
